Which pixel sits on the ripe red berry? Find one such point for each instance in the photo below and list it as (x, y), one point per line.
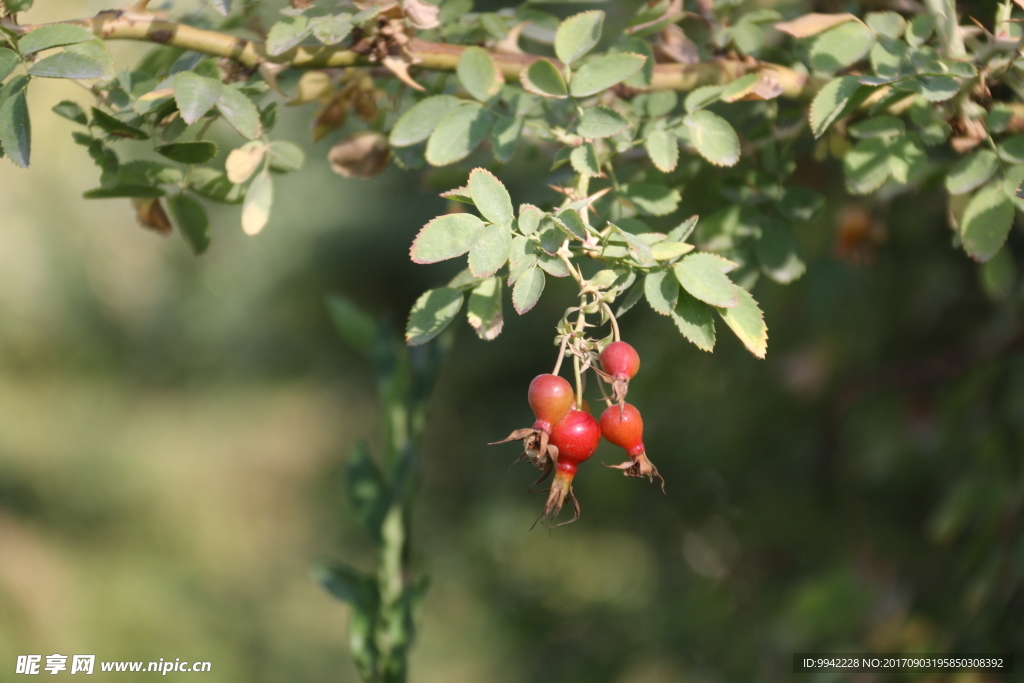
(576, 437)
(550, 397)
(624, 427)
(620, 360)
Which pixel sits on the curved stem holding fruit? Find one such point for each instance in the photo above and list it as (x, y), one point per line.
(614, 323)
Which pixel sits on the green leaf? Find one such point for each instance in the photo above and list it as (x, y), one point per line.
(577, 35)
(331, 30)
(490, 197)
(637, 247)
(71, 111)
(938, 88)
(66, 65)
(190, 218)
(1011, 149)
(543, 78)
(214, 185)
(285, 156)
(666, 251)
(661, 103)
(569, 221)
(446, 237)
(662, 291)
(458, 134)
(890, 61)
(478, 74)
(8, 62)
(694, 321)
(189, 152)
(800, 203)
(354, 325)
(286, 34)
(528, 288)
(907, 161)
(53, 35)
(431, 313)
(584, 160)
(529, 218)
(839, 47)
(106, 159)
(884, 126)
(15, 126)
(701, 276)
(116, 127)
(663, 149)
(867, 165)
(123, 191)
(484, 309)
(920, 29)
(634, 295)
(240, 112)
(972, 172)
(259, 199)
(778, 250)
(635, 45)
(195, 95)
(702, 97)
(682, 232)
(747, 322)
(601, 122)
(504, 135)
(986, 222)
(888, 24)
(144, 172)
(490, 251)
(522, 264)
(553, 266)
(739, 88)
(603, 72)
(836, 98)
(651, 199)
(713, 137)
(97, 51)
(347, 584)
(416, 124)
(367, 489)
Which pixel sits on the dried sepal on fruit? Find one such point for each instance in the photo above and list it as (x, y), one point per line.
(623, 426)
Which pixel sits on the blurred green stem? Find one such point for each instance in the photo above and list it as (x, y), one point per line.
(384, 602)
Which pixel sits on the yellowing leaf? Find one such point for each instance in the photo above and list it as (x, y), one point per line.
(813, 23)
(256, 207)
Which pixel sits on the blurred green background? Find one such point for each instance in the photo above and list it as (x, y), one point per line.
(174, 432)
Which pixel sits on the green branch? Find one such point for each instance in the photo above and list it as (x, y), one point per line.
(124, 25)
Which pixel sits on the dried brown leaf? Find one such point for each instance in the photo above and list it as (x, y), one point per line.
(361, 155)
(151, 215)
(421, 15)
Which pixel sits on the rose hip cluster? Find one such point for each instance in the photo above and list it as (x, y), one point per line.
(565, 433)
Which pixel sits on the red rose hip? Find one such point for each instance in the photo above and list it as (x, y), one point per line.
(623, 426)
(550, 398)
(621, 362)
(576, 437)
